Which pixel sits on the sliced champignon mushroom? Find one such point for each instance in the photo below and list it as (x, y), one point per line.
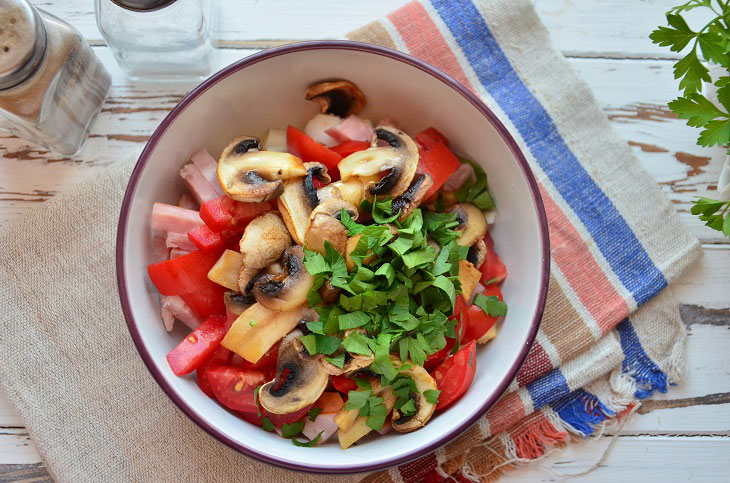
(236, 303)
(477, 253)
(398, 159)
(325, 225)
(413, 196)
(287, 289)
(248, 173)
(246, 279)
(300, 378)
(424, 409)
(338, 97)
(299, 198)
(328, 293)
(353, 362)
(353, 190)
(472, 224)
(264, 241)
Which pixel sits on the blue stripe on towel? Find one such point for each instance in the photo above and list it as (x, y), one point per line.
(612, 235)
(582, 410)
(548, 388)
(648, 376)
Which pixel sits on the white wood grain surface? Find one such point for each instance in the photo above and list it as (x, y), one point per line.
(606, 42)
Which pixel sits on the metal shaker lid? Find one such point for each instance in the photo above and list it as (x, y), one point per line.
(143, 5)
(22, 41)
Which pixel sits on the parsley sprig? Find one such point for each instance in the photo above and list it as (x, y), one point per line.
(712, 41)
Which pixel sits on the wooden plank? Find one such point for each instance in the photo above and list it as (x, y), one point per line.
(16, 447)
(581, 29)
(708, 283)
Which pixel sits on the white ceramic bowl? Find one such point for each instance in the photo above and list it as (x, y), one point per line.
(267, 90)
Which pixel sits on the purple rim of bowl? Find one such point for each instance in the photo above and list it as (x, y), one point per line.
(340, 45)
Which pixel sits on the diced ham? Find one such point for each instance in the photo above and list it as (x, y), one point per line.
(352, 128)
(173, 218)
(459, 177)
(208, 166)
(316, 128)
(159, 249)
(179, 240)
(186, 201)
(324, 423)
(177, 252)
(388, 122)
(174, 308)
(198, 184)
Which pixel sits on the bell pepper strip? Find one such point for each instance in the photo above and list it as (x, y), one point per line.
(343, 384)
(330, 402)
(454, 376)
(205, 239)
(243, 213)
(234, 387)
(219, 357)
(183, 275)
(493, 270)
(197, 346)
(348, 147)
(307, 149)
(430, 137)
(440, 163)
(479, 321)
(216, 213)
(207, 301)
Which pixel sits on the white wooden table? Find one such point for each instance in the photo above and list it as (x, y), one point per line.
(684, 435)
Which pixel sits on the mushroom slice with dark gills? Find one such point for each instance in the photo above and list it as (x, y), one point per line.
(413, 196)
(398, 159)
(287, 289)
(325, 225)
(248, 173)
(424, 409)
(263, 242)
(477, 253)
(300, 378)
(472, 224)
(299, 198)
(237, 303)
(338, 97)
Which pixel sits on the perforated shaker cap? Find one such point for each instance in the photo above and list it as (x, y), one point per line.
(143, 5)
(22, 41)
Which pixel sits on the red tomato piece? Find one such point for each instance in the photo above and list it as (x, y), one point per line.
(439, 162)
(218, 358)
(343, 384)
(206, 301)
(461, 315)
(185, 274)
(280, 419)
(307, 149)
(493, 270)
(216, 213)
(479, 322)
(243, 213)
(234, 387)
(428, 138)
(454, 376)
(348, 147)
(197, 346)
(205, 239)
(267, 361)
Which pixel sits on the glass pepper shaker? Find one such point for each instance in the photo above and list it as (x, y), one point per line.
(52, 84)
(159, 40)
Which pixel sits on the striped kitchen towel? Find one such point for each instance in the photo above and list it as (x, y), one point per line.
(611, 332)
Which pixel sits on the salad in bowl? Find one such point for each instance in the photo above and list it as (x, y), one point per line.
(338, 280)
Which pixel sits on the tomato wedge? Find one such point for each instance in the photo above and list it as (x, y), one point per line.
(343, 384)
(267, 361)
(307, 149)
(461, 315)
(439, 162)
(493, 270)
(454, 376)
(330, 402)
(218, 358)
(280, 419)
(185, 274)
(348, 147)
(430, 137)
(197, 346)
(479, 322)
(207, 301)
(234, 387)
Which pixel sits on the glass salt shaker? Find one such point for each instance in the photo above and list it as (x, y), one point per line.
(52, 84)
(159, 40)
